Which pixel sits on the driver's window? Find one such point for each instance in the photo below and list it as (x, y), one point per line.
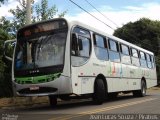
(80, 46)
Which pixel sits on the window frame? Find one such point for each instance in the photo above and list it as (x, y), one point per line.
(140, 58)
(71, 40)
(114, 51)
(109, 45)
(105, 42)
(122, 50)
(132, 52)
(128, 55)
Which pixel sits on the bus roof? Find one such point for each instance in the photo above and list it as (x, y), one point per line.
(78, 23)
(73, 23)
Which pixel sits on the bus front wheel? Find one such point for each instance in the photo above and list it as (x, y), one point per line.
(53, 101)
(99, 92)
(142, 91)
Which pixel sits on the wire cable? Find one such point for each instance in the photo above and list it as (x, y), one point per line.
(108, 25)
(102, 14)
(91, 14)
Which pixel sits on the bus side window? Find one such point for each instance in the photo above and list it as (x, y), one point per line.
(100, 47)
(114, 51)
(143, 59)
(152, 60)
(149, 63)
(80, 46)
(125, 54)
(135, 59)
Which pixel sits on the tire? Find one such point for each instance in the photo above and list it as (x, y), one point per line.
(99, 92)
(142, 91)
(53, 101)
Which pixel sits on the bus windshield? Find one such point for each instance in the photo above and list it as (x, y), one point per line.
(44, 51)
(40, 47)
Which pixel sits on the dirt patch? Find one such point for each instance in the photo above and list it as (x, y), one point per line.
(21, 101)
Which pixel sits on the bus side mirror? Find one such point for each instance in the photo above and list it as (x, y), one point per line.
(8, 49)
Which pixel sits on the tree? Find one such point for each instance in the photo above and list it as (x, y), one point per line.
(2, 1)
(42, 12)
(144, 33)
(45, 13)
(5, 69)
(19, 19)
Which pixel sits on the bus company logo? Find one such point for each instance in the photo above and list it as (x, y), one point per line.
(34, 71)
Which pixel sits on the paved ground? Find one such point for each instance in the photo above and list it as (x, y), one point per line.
(124, 107)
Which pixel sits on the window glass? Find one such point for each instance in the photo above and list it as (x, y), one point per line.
(148, 57)
(125, 49)
(142, 55)
(84, 46)
(143, 63)
(101, 53)
(100, 48)
(99, 41)
(126, 59)
(81, 32)
(135, 61)
(113, 45)
(134, 52)
(114, 56)
(149, 63)
(152, 59)
(80, 46)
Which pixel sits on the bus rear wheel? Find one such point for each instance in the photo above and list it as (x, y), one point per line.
(53, 101)
(142, 91)
(99, 92)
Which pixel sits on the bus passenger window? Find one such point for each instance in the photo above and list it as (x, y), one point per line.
(135, 59)
(143, 59)
(100, 47)
(153, 63)
(114, 51)
(149, 63)
(125, 54)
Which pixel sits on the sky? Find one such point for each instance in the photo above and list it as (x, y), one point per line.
(119, 12)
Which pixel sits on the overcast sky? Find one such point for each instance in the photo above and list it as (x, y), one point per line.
(119, 11)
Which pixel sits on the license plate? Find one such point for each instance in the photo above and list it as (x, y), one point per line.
(34, 88)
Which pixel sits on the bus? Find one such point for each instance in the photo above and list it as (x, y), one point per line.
(67, 59)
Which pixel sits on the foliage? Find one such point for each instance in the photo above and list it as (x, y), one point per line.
(5, 68)
(2, 1)
(39, 12)
(144, 33)
(45, 13)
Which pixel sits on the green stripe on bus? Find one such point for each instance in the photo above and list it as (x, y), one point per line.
(37, 79)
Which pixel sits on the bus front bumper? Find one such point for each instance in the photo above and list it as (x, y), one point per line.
(61, 85)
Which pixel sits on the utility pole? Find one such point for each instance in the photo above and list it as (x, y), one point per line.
(28, 14)
(28, 21)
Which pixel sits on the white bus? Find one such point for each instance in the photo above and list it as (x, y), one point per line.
(65, 59)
